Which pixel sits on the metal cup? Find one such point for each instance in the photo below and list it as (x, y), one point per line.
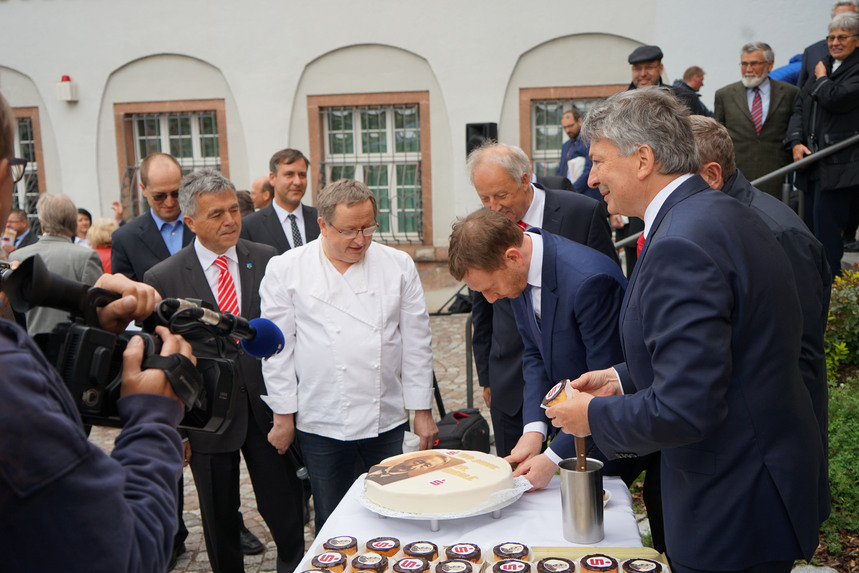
(582, 501)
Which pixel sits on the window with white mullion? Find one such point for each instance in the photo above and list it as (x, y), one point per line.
(192, 138)
(26, 192)
(547, 135)
(379, 146)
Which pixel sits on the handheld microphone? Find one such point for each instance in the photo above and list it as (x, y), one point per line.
(259, 337)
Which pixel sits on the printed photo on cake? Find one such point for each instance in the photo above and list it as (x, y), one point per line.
(410, 465)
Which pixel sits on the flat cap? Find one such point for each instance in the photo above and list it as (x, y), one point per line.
(645, 54)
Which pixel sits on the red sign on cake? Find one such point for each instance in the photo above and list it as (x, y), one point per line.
(410, 564)
(513, 567)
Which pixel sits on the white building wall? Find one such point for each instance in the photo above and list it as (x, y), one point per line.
(257, 55)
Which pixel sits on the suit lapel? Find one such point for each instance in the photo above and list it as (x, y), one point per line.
(688, 188)
(552, 217)
(197, 280)
(151, 238)
(311, 227)
(741, 102)
(776, 95)
(548, 297)
(275, 229)
(247, 271)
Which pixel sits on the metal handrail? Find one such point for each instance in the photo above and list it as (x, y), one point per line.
(780, 172)
(816, 156)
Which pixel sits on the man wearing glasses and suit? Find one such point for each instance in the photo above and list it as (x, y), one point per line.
(152, 237)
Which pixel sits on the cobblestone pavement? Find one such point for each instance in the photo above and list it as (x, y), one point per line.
(451, 371)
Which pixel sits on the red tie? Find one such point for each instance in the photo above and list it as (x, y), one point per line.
(227, 301)
(757, 111)
(522, 225)
(639, 244)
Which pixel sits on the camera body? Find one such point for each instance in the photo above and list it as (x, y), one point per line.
(89, 361)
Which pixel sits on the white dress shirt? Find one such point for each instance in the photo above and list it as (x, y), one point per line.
(358, 350)
(534, 215)
(213, 273)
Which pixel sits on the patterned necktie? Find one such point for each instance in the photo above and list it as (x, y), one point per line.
(757, 111)
(296, 236)
(639, 244)
(227, 301)
(522, 225)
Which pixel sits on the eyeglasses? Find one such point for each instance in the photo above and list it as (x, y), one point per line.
(18, 167)
(352, 233)
(159, 197)
(841, 39)
(754, 64)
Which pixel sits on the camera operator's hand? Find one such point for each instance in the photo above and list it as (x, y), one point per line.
(138, 302)
(152, 380)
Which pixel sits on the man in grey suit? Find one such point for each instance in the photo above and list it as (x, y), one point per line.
(756, 111)
(58, 217)
(286, 223)
(225, 271)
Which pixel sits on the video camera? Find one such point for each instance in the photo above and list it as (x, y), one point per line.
(89, 359)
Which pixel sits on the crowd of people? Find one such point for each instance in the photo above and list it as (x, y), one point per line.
(701, 364)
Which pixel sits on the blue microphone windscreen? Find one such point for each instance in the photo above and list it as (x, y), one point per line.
(268, 340)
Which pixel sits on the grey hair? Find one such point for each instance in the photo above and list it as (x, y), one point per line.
(769, 56)
(345, 191)
(201, 182)
(510, 158)
(853, 3)
(649, 116)
(57, 215)
(848, 22)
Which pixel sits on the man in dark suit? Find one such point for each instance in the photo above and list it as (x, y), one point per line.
(756, 111)
(24, 236)
(225, 271)
(501, 176)
(575, 148)
(286, 223)
(566, 314)
(709, 329)
(807, 258)
(152, 237)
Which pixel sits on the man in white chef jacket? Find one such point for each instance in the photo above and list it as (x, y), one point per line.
(358, 354)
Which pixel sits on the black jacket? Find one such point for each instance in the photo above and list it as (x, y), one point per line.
(826, 112)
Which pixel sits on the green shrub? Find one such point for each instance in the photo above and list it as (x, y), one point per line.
(842, 329)
(843, 462)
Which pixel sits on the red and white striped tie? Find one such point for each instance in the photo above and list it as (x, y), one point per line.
(227, 301)
(522, 225)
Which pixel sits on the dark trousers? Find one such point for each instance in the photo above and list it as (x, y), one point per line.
(279, 498)
(507, 430)
(326, 459)
(831, 214)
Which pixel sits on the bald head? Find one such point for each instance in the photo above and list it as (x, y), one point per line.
(262, 192)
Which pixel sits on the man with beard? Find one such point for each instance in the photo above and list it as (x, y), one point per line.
(756, 111)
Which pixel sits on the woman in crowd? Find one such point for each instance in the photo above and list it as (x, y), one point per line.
(826, 112)
(99, 238)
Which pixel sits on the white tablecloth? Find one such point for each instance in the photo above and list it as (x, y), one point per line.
(535, 520)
